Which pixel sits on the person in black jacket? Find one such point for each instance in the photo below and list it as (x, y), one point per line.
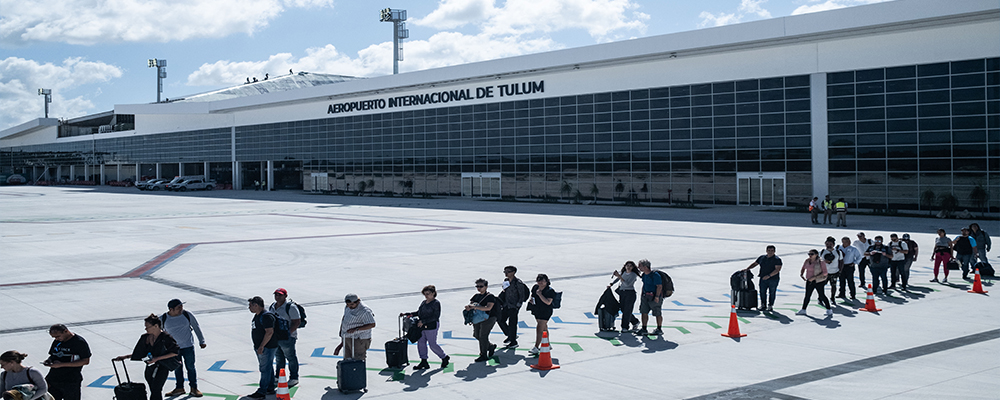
(159, 351)
(429, 314)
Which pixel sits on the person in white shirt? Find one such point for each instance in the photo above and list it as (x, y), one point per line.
(833, 259)
(852, 257)
(862, 244)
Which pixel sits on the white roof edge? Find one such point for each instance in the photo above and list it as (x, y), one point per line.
(28, 127)
(894, 13)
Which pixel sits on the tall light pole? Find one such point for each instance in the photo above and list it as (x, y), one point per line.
(48, 99)
(399, 32)
(161, 72)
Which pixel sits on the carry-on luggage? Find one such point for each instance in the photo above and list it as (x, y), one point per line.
(954, 265)
(128, 390)
(607, 311)
(351, 376)
(985, 269)
(395, 349)
(744, 295)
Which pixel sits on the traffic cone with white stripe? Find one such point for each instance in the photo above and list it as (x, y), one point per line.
(870, 303)
(282, 392)
(544, 356)
(977, 286)
(734, 325)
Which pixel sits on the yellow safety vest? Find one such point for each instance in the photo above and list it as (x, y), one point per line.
(841, 206)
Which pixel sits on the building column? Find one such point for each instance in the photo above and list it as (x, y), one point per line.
(158, 174)
(820, 137)
(118, 173)
(270, 175)
(138, 172)
(72, 172)
(102, 175)
(180, 169)
(237, 177)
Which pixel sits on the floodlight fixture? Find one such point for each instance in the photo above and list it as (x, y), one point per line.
(161, 73)
(48, 99)
(399, 32)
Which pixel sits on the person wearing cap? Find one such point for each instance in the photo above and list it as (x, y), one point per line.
(862, 244)
(355, 329)
(287, 310)
(879, 255)
(510, 300)
(265, 343)
(179, 323)
(834, 260)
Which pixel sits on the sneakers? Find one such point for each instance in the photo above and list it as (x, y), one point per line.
(642, 332)
(256, 395)
(770, 308)
(511, 345)
(829, 312)
(293, 382)
(506, 340)
(489, 353)
(658, 332)
(444, 362)
(801, 312)
(423, 365)
(176, 392)
(534, 351)
(481, 359)
(195, 392)
(934, 280)
(945, 280)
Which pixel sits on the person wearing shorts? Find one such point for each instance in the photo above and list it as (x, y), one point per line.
(651, 300)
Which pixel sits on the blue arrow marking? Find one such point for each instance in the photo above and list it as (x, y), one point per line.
(560, 321)
(590, 315)
(99, 383)
(714, 301)
(318, 352)
(689, 305)
(218, 367)
(522, 325)
(448, 335)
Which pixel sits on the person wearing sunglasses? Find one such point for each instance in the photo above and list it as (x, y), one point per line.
(357, 325)
(487, 302)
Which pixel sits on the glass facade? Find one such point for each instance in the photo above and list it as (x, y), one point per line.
(896, 133)
(650, 145)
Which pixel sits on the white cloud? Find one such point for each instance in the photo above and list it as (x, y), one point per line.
(20, 80)
(89, 22)
(818, 6)
(442, 49)
(601, 18)
(746, 8)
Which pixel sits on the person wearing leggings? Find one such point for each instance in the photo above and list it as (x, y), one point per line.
(814, 274)
(942, 254)
(428, 316)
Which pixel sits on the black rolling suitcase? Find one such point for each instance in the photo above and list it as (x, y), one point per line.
(985, 269)
(395, 349)
(351, 376)
(744, 295)
(128, 390)
(607, 311)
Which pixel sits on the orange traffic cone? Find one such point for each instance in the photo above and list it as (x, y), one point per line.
(977, 286)
(544, 357)
(870, 303)
(734, 325)
(282, 392)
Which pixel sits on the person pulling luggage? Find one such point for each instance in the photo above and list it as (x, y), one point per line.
(770, 267)
(159, 351)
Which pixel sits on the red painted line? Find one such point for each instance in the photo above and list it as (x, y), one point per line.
(96, 278)
(148, 265)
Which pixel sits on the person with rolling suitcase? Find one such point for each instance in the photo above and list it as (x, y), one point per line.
(428, 317)
(357, 324)
(626, 294)
(159, 351)
(127, 390)
(770, 266)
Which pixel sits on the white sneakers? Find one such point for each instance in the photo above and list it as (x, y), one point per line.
(829, 312)
(801, 312)
(534, 351)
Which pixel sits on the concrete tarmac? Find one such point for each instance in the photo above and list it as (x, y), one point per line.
(100, 259)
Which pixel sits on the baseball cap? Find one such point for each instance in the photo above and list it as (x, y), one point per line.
(174, 303)
(861, 233)
(282, 291)
(906, 236)
(351, 297)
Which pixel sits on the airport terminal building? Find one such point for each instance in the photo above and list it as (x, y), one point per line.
(877, 104)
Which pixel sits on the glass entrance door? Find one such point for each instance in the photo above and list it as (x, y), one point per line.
(761, 189)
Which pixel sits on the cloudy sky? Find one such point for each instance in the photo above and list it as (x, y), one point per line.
(92, 53)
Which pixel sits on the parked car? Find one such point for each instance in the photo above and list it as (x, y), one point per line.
(145, 185)
(194, 184)
(160, 184)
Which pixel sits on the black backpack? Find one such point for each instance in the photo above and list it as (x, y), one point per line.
(668, 284)
(525, 291)
(281, 326)
(302, 312)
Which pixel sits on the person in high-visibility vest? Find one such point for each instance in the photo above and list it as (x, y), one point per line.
(827, 210)
(841, 207)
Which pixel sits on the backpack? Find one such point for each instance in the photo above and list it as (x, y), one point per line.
(281, 326)
(163, 318)
(524, 290)
(557, 300)
(668, 284)
(302, 312)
